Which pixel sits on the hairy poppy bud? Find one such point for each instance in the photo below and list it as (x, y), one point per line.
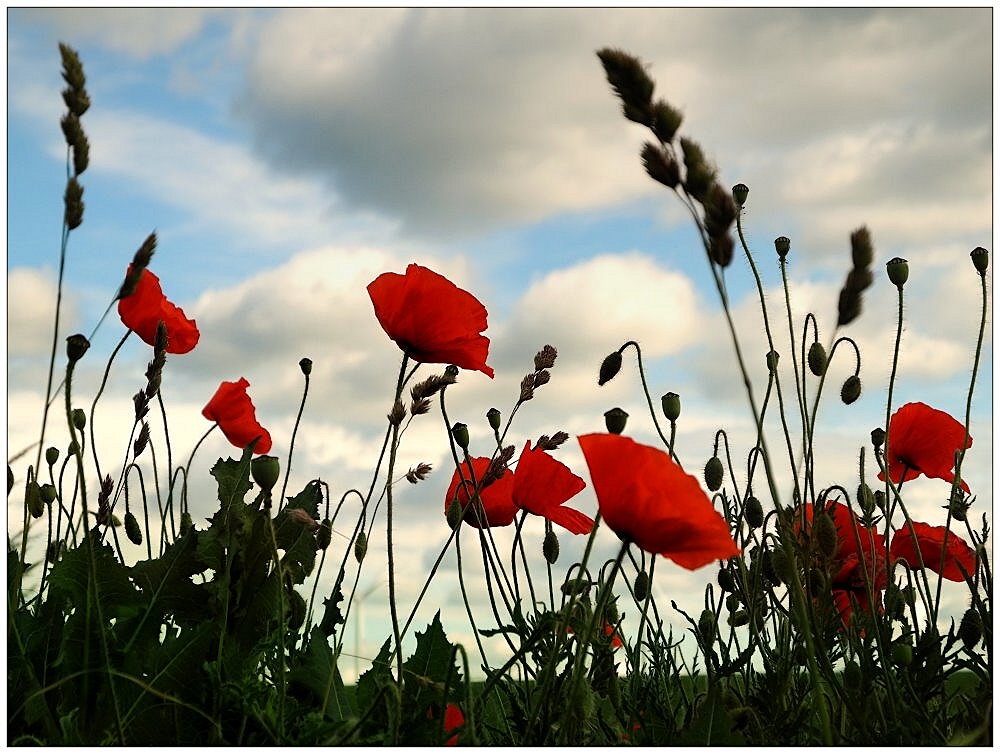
(360, 546)
(970, 629)
(866, 499)
(824, 532)
(878, 437)
(611, 365)
(851, 389)
(671, 405)
(782, 245)
(550, 547)
(494, 418)
(641, 586)
(454, 514)
(898, 271)
(740, 193)
(615, 420)
(324, 534)
(76, 347)
(132, 530)
(739, 618)
(726, 581)
(51, 455)
(713, 473)
(265, 470)
(980, 259)
(753, 512)
(707, 626)
(460, 432)
(33, 499)
(306, 366)
(783, 566)
(817, 359)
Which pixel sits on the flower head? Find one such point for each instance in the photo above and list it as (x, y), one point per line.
(431, 319)
(541, 486)
(923, 440)
(648, 499)
(147, 306)
(234, 412)
(453, 719)
(932, 543)
(493, 506)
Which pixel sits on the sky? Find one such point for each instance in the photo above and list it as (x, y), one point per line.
(286, 157)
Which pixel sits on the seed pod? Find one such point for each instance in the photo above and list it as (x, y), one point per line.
(550, 547)
(51, 455)
(323, 534)
(460, 432)
(782, 245)
(671, 405)
(641, 586)
(76, 347)
(707, 626)
(132, 530)
(970, 629)
(902, 654)
(713, 473)
(898, 271)
(494, 418)
(851, 389)
(79, 418)
(306, 365)
(980, 259)
(817, 358)
(265, 471)
(48, 493)
(878, 437)
(615, 420)
(360, 546)
(740, 193)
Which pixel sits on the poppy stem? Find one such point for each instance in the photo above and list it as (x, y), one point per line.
(393, 448)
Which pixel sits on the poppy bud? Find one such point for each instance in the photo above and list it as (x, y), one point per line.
(739, 618)
(783, 566)
(726, 581)
(494, 418)
(980, 259)
(614, 420)
(902, 654)
(265, 470)
(898, 271)
(323, 534)
(73, 448)
(772, 361)
(970, 629)
(740, 193)
(817, 581)
(611, 365)
(460, 432)
(671, 404)
(550, 547)
(76, 347)
(47, 493)
(910, 596)
(733, 603)
(51, 455)
(132, 530)
(866, 499)
(306, 366)
(641, 586)
(454, 514)
(894, 604)
(707, 626)
(360, 546)
(878, 437)
(33, 499)
(879, 499)
(713, 473)
(817, 359)
(851, 389)
(824, 532)
(782, 245)
(957, 506)
(753, 512)
(187, 524)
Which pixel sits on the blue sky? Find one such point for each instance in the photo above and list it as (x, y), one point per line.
(287, 157)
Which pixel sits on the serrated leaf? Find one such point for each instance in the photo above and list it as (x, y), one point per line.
(309, 499)
(316, 669)
(372, 680)
(233, 478)
(432, 663)
(166, 583)
(71, 575)
(332, 616)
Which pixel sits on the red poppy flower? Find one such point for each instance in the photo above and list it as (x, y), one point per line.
(495, 506)
(431, 319)
(541, 486)
(923, 440)
(147, 306)
(648, 499)
(609, 630)
(453, 719)
(930, 540)
(854, 567)
(234, 412)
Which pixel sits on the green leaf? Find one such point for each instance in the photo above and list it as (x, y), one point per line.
(432, 665)
(332, 615)
(233, 478)
(71, 576)
(711, 725)
(166, 583)
(316, 670)
(309, 499)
